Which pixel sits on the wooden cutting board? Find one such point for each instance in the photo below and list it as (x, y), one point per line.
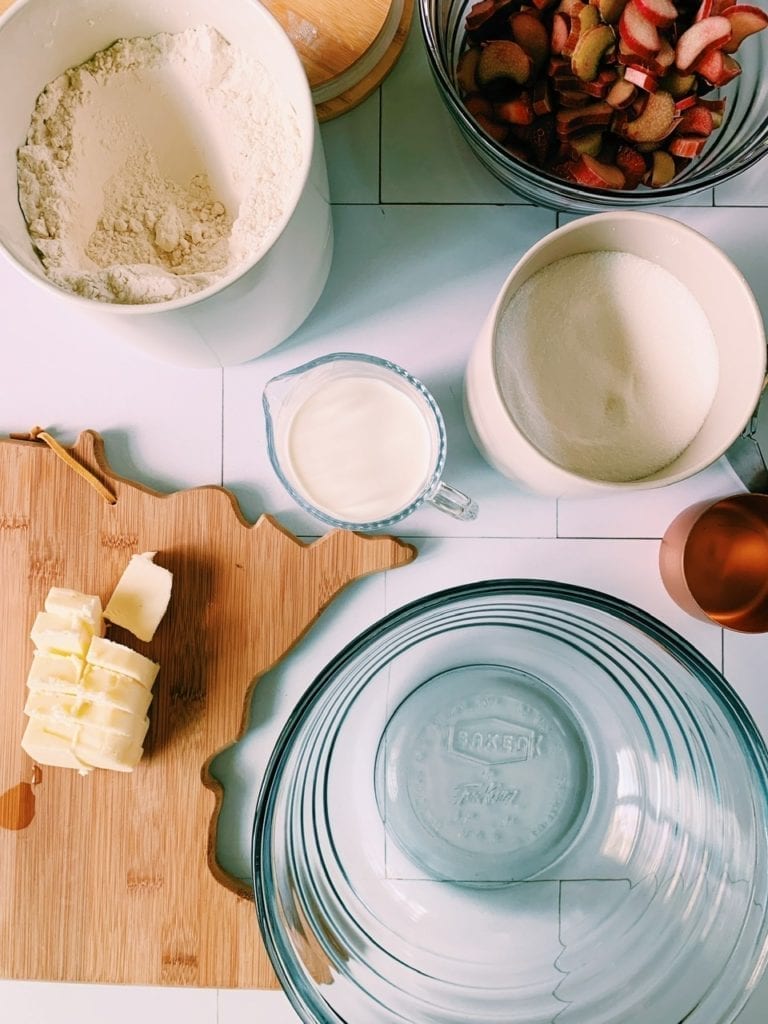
(114, 879)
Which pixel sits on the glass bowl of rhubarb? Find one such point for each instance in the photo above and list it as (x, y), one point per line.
(618, 103)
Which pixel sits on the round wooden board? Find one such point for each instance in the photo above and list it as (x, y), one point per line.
(334, 41)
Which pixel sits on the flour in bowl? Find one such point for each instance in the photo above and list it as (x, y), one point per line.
(157, 167)
(607, 363)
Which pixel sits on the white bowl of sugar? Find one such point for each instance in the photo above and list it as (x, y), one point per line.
(158, 159)
(625, 351)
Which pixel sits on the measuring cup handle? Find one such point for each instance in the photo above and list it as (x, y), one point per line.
(453, 502)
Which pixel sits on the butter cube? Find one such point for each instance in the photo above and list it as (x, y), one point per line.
(54, 633)
(55, 673)
(101, 748)
(141, 596)
(101, 685)
(76, 607)
(122, 660)
(52, 744)
(50, 708)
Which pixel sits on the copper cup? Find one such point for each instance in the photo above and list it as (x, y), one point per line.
(714, 562)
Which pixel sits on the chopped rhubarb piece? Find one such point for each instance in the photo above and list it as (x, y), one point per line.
(662, 169)
(621, 94)
(570, 7)
(601, 85)
(529, 32)
(561, 28)
(687, 101)
(558, 65)
(686, 145)
(701, 36)
(592, 115)
(589, 17)
(641, 77)
(665, 58)
(716, 109)
(502, 65)
(590, 48)
(705, 10)
(466, 70)
(567, 83)
(477, 104)
(640, 35)
(656, 120)
(632, 165)
(589, 171)
(745, 21)
(564, 169)
(659, 12)
(542, 97)
(569, 98)
(610, 10)
(590, 143)
(678, 85)
(585, 18)
(516, 111)
(696, 121)
(486, 16)
(479, 13)
(493, 128)
(717, 68)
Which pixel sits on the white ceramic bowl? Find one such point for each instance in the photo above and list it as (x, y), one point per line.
(39, 39)
(717, 285)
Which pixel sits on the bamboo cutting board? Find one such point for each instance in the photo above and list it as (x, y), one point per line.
(112, 877)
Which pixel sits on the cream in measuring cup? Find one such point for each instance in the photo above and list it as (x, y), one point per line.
(359, 442)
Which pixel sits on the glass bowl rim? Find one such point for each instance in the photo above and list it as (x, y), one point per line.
(753, 746)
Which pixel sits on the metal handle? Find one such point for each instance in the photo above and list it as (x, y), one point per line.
(453, 503)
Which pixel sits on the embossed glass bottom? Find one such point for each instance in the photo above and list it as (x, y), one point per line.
(483, 774)
(516, 802)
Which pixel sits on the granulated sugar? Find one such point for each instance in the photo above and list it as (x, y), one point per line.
(157, 167)
(608, 364)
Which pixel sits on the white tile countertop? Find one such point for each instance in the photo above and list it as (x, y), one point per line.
(424, 239)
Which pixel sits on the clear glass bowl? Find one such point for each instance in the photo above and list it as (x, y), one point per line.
(516, 801)
(741, 140)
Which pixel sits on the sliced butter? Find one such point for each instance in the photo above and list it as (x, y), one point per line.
(76, 607)
(120, 659)
(55, 707)
(55, 673)
(101, 748)
(101, 685)
(141, 596)
(60, 635)
(52, 744)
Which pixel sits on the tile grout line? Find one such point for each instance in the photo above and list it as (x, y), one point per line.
(722, 650)
(221, 472)
(381, 118)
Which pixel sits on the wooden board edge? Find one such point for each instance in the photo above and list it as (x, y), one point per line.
(354, 96)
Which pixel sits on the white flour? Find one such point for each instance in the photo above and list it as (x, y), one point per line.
(608, 364)
(156, 167)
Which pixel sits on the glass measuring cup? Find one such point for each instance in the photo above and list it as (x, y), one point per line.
(375, 426)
